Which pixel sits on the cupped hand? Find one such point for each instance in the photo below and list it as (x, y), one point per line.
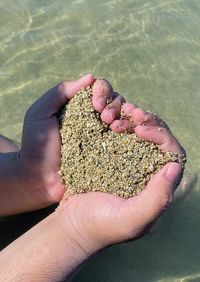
(85, 223)
(100, 219)
(40, 156)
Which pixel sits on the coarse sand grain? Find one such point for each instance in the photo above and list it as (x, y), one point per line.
(94, 158)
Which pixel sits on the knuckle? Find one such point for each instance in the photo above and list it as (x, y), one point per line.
(121, 99)
(29, 113)
(117, 97)
(168, 139)
(117, 102)
(62, 87)
(183, 152)
(165, 200)
(125, 232)
(133, 232)
(173, 145)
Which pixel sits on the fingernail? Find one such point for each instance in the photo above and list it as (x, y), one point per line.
(173, 172)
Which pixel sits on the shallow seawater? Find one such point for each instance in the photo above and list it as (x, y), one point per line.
(150, 52)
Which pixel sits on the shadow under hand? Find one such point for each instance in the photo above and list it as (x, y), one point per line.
(11, 227)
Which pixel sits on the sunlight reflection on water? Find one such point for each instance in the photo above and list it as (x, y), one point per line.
(149, 50)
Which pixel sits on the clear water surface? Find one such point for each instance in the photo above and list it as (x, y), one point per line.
(150, 52)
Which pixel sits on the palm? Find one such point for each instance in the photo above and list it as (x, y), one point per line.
(40, 154)
(97, 213)
(43, 165)
(40, 150)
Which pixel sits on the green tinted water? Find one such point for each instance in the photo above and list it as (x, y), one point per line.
(150, 52)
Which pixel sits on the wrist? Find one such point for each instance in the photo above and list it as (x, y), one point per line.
(54, 251)
(9, 182)
(75, 252)
(17, 186)
(84, 243)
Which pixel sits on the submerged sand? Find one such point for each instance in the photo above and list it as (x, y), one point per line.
(94, 158)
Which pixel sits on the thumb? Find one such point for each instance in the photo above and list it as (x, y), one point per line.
(155, 198)
(53, 100)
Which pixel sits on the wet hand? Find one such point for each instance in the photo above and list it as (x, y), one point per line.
(100, 219)
(39, 156)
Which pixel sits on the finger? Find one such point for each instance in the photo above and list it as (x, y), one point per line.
(132, 113)
(127, 109)
(125, 124)
(132, 116)
(112, 110)
(140, 116)
(52, 101)
(145, 208)
(7, 145)
(102, 92)
(153, 119)
(122, 125)
(186, 185)
(160, 136)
